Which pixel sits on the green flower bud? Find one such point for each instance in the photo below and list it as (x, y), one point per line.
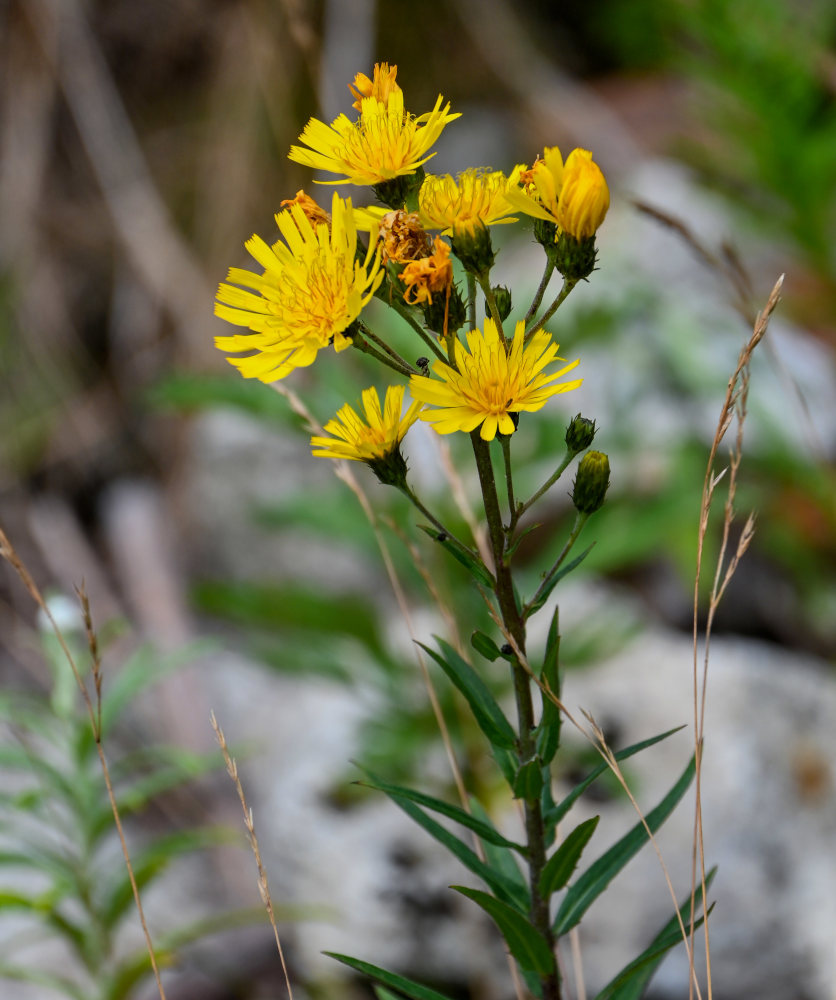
(390, 468)
(472, 245)
(575, 258)
(453, 308)
(579, 434)
(503, 301)
(400, 191)
(591, 483)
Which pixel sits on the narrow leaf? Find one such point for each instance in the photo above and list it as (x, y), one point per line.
(548, 730)
(484, 828)
(552, 582)
(528, 782)
(475, 567)
(565, 859)
(485, 646)
(406, 986)
(501, 859)
(631, 982)
(502, 886)
(599, 875)
(525, 942)
(566, 804)
(487, 712)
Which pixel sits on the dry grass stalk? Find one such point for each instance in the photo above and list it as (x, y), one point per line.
(733, 408)
(94, 712)
(263, 887)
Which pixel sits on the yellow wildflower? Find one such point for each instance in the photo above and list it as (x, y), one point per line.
(312, 289)
(428, 275)
(494, 380)
(313, 213)
(474, 199)
(375, 440)
(402, 238)
(380, 87)
(385, 143)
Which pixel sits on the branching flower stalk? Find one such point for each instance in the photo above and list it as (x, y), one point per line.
(484, 377)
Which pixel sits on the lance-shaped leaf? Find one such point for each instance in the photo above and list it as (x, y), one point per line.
(562, 808)
(526, 943)
(485, 646)
(483, 827)
(631, 982)
(565, 859)
(403, 985)
(501, 859)
(548, 585)
(529, 780)
(472, 563)
(506, 889)
(548, 730)
(599, 875)
(485, 709)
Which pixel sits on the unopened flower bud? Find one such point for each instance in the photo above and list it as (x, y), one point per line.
(472, 245)
(579, 434)
(591, 482)
(503, 301)
(574, 258)
(389, 468)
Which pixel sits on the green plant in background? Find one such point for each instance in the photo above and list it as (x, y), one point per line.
(60, 878)
(480, 387)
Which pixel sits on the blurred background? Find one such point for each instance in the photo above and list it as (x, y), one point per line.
(140, 145)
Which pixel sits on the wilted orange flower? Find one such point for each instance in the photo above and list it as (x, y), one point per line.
(313, 213)
(429, 275)
(402, 238)
(380, 87)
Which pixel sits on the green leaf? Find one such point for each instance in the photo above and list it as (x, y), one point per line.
(631, 982)
(406, 986)
(383, 994)
(525, 942)
(473, 565)
(512, 548)
(502, 886)
(548, 730)
(565, 859)
(485, 646)
(501, 859)
(599, 875)
(483, 828)
(553, 818)
(553, 581)
(487, 712)
(528, 782)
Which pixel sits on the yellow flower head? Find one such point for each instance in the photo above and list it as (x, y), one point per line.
(430, 274)
(575, 196)
(313, 213)
(312, 289)
(494, 380)
(380, 87)
(474, 199)
(584, 197)
(402, 238)
(385, 143)
(375, 440)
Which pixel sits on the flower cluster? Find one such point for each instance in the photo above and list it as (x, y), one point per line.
(318, 279)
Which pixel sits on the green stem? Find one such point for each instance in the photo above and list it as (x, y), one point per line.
(568, 285)
(526, 745)
(485, 284)
(505, 441)
(523, 507)
(541, 291)
(428, 338)
(471, 301)
(580, 521)
(403, 364)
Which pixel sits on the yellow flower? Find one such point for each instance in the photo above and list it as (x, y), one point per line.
(380, 87)
(575, 196)
(313, 213)
(375, 440)
(584, 198)
(385, 143)
(433, 273)
(474, 199)
(493, 381)
(312, 289)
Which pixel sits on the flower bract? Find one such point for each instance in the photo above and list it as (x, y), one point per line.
(312, 289)
(374, 438)
(494, 380)
(386, 142)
